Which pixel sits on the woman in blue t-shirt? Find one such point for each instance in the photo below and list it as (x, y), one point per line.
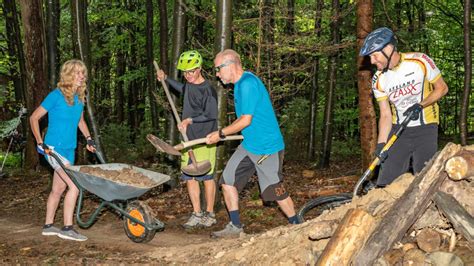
(64, 106)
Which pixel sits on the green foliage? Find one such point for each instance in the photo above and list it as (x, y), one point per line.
(116, 139)
(13, 160)
(144, 148)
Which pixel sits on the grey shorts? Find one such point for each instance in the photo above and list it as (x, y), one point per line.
(243, 164)
(416, 145)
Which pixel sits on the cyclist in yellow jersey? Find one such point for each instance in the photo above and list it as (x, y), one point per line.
(404, 82)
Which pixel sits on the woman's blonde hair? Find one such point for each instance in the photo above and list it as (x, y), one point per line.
(66, 80)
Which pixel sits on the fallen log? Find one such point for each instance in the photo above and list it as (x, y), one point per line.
(406, 210)
(462, 191)
(347, 239)
(461, 166)
(457, 215)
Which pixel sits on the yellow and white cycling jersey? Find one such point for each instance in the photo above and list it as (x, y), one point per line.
(406, 84)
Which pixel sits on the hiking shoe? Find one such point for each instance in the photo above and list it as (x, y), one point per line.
(50, 231)
(208, 220)
(194, 221)
(71, 234)
(230, 230)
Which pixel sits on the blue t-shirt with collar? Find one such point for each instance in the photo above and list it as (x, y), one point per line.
(263, 135)
(63, 120)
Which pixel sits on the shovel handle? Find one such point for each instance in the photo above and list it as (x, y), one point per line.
(191, 143)
(377, 161)
(170, 100)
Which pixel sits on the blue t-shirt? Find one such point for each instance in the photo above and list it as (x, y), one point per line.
(263, 135)
(63, 120)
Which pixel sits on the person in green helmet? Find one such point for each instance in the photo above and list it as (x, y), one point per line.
(199, 118)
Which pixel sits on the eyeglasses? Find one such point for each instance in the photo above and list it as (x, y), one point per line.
(218, 68)
(190, 72)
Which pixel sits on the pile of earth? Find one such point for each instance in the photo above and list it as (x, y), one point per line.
(126, 176)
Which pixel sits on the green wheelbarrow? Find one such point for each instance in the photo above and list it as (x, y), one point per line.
(139, 223)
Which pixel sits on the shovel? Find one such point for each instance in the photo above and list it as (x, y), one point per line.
(195, 168)
(162, 146)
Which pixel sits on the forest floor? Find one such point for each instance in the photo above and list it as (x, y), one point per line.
(23, 197)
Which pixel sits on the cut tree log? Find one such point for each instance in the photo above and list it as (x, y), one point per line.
(457, 215)
(406, 210)
(461, 166)
(353, 230)
(428, 240)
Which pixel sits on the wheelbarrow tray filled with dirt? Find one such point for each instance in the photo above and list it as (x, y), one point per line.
(109, 189)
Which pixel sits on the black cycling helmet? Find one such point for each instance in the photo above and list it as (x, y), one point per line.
(377, 40)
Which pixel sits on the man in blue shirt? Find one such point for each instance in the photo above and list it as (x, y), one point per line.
(262, 149)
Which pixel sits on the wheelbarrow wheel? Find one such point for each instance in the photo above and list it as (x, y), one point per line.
(136, 232)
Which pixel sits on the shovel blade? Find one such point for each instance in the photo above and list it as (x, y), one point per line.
(200, 168)
(162, 146)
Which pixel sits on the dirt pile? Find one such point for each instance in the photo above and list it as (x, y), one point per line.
(286, 245)
(126, 175)
(423, 232)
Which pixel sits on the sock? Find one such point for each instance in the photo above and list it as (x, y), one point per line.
(67, 228)
(46, 226)
(293, 220)
(235, 218)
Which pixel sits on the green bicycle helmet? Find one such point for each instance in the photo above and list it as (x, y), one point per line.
(189, 60)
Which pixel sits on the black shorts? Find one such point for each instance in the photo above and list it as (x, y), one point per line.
(417, 144)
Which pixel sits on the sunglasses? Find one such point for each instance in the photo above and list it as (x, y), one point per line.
(218, 68)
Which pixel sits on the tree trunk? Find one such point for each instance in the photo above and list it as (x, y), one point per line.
(35, 54)
(119, 88)
(314, 98)
(407, 209)
(179, 24)
(290, 20)
(268, 40)
(367, 118)
(15, 50)
(82, 49)
(52, 39)
(332, 76)
(463, 128)
(222, 42)
(151, 85)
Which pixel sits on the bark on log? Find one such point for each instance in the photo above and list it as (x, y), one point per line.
(407, 209)
(462, 191)
(457, 215)
(461, 166)
(348, 238)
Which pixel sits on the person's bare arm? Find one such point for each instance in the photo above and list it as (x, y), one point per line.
(85, 131)
(34, 123)
(385, 121)
(236, 126)
(440, 89)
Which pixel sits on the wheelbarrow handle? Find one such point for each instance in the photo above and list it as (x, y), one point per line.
(99, 155)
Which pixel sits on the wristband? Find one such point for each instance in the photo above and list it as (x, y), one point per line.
(221, 134)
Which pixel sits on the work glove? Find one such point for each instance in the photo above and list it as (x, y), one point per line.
(378, 152)
(91, 142)
(415, 111)
(41, 147)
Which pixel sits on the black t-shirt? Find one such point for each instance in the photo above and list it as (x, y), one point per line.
(200, 104)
